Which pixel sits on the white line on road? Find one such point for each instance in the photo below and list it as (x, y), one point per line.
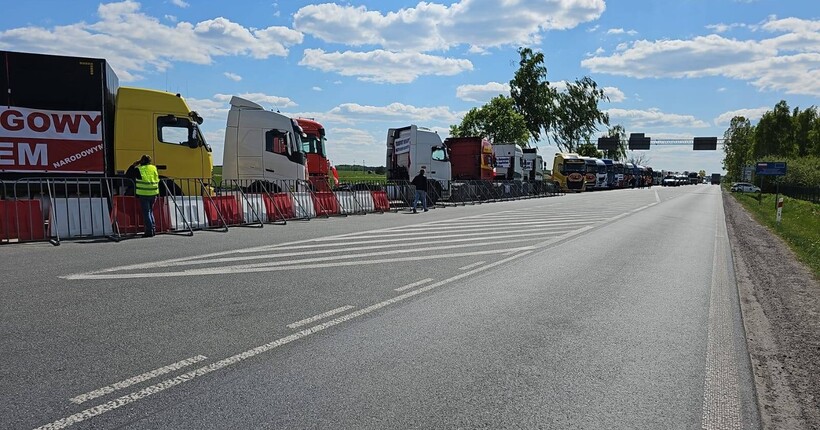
(260, 268)
(657, 197)
(136, 379)
(234, 359)
(414, 284)
(470, 266)
(321, 316)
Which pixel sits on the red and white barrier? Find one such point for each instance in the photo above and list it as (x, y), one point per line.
(76, 217)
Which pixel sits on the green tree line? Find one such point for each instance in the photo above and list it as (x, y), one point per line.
(781, 134)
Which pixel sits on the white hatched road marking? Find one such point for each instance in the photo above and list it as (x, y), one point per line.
(321, 316)
(136, 379)
(414, 284)
(234, 359)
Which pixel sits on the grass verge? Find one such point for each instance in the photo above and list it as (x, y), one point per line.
(800, 227)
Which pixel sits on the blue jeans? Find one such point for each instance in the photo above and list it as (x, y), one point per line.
(147, 205)
(420, 195)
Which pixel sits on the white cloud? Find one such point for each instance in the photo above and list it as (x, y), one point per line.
(134, 42)
(435, 26)
(343, 137)
(593, 29)
(750, 114)
(233, 76)
(722, 89)
(722, 28)
(789, 62)
(180, 3)
(316, 88)
(383, 66)
(634, 119)
(171, 18)
(621, 31)
(482, 93)
(396, 112)
(615, 95)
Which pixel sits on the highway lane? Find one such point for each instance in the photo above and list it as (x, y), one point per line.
(506, 315)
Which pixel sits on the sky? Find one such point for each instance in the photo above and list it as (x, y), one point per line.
(671, 69)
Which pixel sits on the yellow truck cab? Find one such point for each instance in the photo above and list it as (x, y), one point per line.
(160, 124)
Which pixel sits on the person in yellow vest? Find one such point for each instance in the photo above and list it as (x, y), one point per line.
(146, 177)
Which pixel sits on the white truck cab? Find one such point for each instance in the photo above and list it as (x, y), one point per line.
(412, 148)
(533, 165)
(261, 145)
(509, 160)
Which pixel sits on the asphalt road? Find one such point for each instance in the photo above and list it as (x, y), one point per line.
(600, 310)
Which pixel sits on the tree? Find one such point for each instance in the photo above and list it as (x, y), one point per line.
(619, 153)
(589, 150)
(701, 174)
(774, 132)
(532, 94)
(638, 158)
(802, 124)
(498, 121)
(738, 141)
(577, 115)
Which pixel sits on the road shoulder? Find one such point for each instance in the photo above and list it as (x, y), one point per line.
(780, 301)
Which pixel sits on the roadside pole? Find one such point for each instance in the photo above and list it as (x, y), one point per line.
(779, 210)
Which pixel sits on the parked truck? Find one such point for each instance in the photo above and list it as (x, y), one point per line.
(716, 178)
(263, 149)
(509, 159)
(412, 148)
(533, 165)
(473, 168)
(471, 158)
(314, 146)
(68, 117)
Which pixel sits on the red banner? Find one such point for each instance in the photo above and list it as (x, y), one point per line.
(34, 140)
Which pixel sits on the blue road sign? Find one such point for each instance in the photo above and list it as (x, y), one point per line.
(771, 168)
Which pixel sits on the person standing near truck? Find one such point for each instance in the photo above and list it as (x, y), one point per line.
(420, 181)
(146, 177)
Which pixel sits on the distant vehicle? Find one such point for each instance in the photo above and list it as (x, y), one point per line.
(744, 187)
(694, 179)
(600, 174)
(618, 168)
(568, 172)
(610, 173)
(533, 165)
(670, 181)
(715, 178)
(590, 172)
(313, 144)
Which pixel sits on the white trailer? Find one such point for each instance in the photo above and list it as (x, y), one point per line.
(412, 148)
(262, 146)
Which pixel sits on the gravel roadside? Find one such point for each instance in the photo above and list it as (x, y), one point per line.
(780, 301)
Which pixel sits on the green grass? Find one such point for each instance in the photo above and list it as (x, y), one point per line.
(217, 174)
(348, 176)
(800, 227)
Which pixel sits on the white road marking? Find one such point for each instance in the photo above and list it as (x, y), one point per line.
(270, 268)
(657, 197)
(470, 266)
(234, 359)
(413, 285)
(136, 379)
(321, 316)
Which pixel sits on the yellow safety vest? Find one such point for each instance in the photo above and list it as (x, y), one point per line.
(149, 184)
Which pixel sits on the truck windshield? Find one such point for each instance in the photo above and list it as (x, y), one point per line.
(439, 154)
(314, 145)
(574, 167)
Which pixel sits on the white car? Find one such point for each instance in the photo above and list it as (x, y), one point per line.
(744, 187)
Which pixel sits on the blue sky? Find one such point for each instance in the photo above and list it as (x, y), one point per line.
(671, 69)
